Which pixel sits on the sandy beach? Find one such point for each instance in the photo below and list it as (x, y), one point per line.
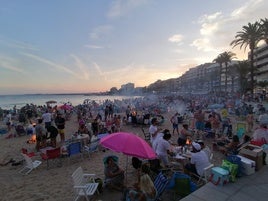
(56, 183)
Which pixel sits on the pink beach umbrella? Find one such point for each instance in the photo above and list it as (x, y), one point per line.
(128, 144)
(65, 107)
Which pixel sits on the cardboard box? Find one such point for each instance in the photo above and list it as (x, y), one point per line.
(247, 165)
(254, 153)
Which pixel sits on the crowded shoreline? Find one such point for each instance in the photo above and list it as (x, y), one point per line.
(56, 184)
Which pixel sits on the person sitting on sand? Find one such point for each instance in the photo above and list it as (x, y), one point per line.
(114, 175)
(145, 190)
(231, 147)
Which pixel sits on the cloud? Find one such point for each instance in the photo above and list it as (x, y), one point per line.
(218, 29)
(122, 7)
(83, 67)
(94, 47)
(100, 31)
(249, 9)
(18, 44)
(176, 38)
(10, 64)
(61, 68)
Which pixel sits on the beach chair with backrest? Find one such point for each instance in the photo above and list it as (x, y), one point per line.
(30, 165)
(147, 136)
(160, 183)
(52, 155)
(84, 184)
(92, 147)
(203, 179)
(75, 149)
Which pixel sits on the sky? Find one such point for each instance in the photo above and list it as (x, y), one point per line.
(82, 46)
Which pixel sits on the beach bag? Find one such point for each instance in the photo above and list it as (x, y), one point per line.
(100, 186)
(219, 176)
(232, 168)
(236, 160)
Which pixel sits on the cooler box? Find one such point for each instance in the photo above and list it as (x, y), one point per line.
(219, 176)
(254, 153)
(247, 165)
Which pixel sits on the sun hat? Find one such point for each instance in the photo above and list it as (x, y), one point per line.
(196, 146)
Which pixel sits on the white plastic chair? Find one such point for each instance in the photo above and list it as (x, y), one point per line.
(30, 165)
(205, 176)
(82, 184)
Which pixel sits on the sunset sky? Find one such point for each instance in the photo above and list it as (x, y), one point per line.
(65, 46)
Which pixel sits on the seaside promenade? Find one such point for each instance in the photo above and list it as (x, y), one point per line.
(249, 188)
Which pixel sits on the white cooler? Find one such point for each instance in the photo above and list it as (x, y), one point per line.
(247, 165)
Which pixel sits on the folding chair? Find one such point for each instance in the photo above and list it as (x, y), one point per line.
(30, 165)
(146, 135)
(52, 154)
(75, 149)
(92, 147)
(160, 183)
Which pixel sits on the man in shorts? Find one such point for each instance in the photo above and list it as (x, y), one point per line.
(60, 123)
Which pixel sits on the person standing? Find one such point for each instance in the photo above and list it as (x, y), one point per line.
(41, 137)
(175, 122)
(163, 148)
(60, 123)
(47, 118)
(250, 122)
(199, 117)
(154, 131)
(53, 132)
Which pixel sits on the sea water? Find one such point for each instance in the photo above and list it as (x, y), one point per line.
(9, 101)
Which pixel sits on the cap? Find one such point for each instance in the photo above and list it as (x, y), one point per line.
(196, 146)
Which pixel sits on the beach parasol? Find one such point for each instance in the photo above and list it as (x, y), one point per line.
(65, 107)
(128, 144)
(51, 102)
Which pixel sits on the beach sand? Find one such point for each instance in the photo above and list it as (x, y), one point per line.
(56, 182)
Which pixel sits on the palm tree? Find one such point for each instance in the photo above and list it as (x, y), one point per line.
(242, 69)
(264, 27)
(220, 61)
(227, 57)
(263, 84)
(249, 36)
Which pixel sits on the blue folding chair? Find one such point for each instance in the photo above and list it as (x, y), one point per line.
(160, 183)
(74, 149)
